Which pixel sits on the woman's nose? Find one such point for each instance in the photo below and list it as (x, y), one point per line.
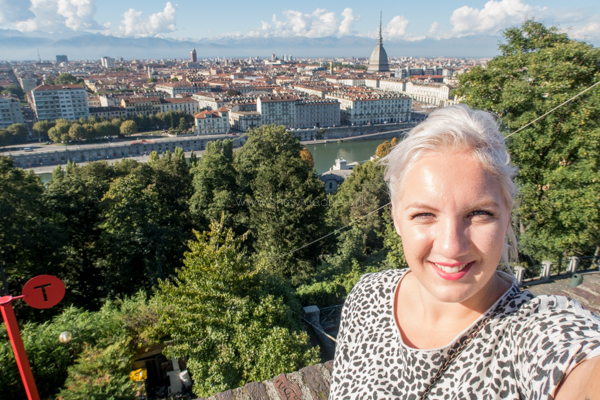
(451, 241)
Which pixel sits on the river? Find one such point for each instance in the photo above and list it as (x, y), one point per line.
(324, 155)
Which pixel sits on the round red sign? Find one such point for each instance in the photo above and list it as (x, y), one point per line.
(43, 291)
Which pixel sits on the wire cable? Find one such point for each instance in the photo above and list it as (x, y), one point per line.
(554, 109)
(330, 233)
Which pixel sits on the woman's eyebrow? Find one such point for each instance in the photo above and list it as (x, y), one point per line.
(420, 205)
(481, 204)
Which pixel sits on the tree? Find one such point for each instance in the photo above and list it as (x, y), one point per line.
(233, 92)
(13, 89)
(42, 127)
(307, 157)
(5, 137)
(18, 132)
(128, 128)
(76, 132)
(231, 322)
(216, 192)
(285, 199)
(183, 126)
(151, 80)
(65, 79)
(557, 157)
(174, 79)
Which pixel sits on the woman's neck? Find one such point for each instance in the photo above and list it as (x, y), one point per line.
(427, 322)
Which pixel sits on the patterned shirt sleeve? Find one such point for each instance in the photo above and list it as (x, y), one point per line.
(558, 335)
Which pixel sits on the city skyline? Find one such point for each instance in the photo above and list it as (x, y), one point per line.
(243, 30)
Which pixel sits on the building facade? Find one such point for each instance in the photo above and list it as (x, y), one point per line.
(316, 112)
(52, 102)
(108, 112)
(10, 111)
(28, 83)
(437, 94)
(279, 110)
(244, 120)
(175, 88)
(135, 105)
(108, 62)
(212, 122)
(186, 104)
(372, 107)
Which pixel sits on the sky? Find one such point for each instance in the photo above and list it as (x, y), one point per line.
(199, 19)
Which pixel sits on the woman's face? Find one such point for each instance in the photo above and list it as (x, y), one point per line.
(452, 219)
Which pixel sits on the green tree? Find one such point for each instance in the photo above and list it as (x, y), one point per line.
(65, 79)
(216, 192)
(5, 137)
(102, 372)
(183, 126)
(558, 156)
(13, 89)
(174, 79)
(227, 320)
(151, 80)
(128, 128)
(42, 127)
(18, 132)
(76, 132)
(285, 199)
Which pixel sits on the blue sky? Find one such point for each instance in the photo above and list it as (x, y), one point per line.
(193, 19)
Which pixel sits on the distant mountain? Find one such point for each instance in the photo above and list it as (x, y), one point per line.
(17, 46)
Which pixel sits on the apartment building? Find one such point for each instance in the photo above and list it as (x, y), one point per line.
(10, 111)
(135, 105)
(437, 94)
(52, 102)
(175, 88)
(212, 122)
(317, 112)
(186, 104)
(393, 85)
(279, 110)
(109, 112)
(244, 120)
(360, 107)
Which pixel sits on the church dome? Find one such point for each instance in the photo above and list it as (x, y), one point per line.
(379, 58)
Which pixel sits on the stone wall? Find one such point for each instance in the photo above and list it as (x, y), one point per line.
(349, 131)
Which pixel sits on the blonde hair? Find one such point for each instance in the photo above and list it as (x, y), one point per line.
(456, 127)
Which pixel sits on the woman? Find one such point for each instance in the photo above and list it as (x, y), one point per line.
(452, 325)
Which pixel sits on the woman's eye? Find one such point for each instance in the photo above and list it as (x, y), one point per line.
(482, 213)
(422, 215)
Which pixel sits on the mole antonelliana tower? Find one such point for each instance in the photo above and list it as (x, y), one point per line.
(379, 58)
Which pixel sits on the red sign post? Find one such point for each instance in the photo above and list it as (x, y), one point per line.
(41, 292)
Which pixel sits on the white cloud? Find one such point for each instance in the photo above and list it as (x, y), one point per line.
(319, 23)
(157, 23)
(56, 15)
(15, 10)
(433, 29)
(347, 25)
(590, 31)
(492, 18)
(396, 27)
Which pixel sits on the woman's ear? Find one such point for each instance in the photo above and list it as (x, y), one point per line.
(394, 219)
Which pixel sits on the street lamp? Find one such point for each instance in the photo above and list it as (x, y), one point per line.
(65, 337)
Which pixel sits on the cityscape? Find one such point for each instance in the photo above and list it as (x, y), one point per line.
(190, 226)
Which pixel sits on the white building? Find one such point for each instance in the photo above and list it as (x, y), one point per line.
(244, 120)
(212, 122)
(52, 102)
(10, 111)
(28, 84)
(108, 62)
(186, 104)
(360, 107)
(279, 110)
(437, 94)
(393, 85)
(175, 88)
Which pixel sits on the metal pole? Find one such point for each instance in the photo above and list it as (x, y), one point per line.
(18, 348)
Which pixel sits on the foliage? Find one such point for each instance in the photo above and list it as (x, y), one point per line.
(233, 92)
(13, 89)
(94, 334)
(384, 148)
(558, 157)
(42, 127)
(65, 79)
(151, 80)
(307, 157)
(285, 199)
(230, 321)
(128, 128)
(101, 372)
(216, 192)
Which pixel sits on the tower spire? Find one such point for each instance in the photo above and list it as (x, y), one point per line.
(380, 18)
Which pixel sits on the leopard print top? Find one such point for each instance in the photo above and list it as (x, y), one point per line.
(522, 353)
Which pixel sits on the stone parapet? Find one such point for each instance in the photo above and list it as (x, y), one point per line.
(310, 383)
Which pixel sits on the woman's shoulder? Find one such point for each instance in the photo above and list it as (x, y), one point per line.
(379, 281)
(553, 306)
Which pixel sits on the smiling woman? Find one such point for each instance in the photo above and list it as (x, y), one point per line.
(453, 325)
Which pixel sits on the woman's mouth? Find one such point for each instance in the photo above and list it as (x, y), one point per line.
(452, 272)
